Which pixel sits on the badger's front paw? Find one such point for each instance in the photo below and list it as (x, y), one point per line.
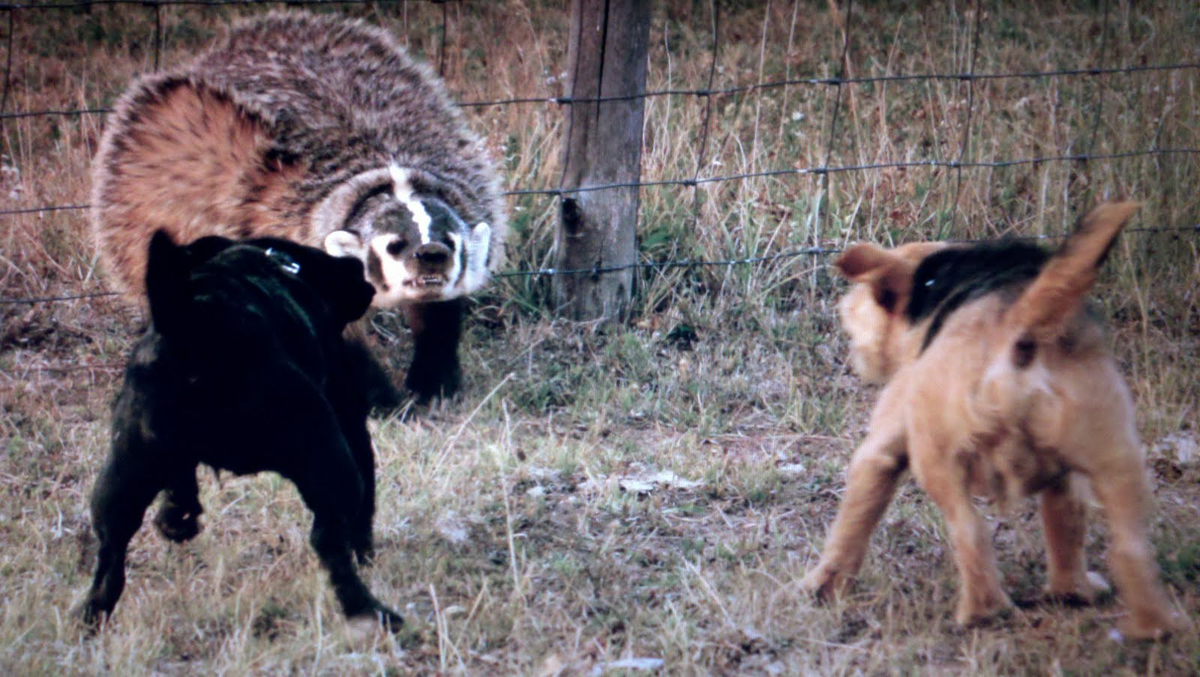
(428, 379)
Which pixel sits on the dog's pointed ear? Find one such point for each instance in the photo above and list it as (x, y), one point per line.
(889, 276)
(862, 262)
(168, 278)
(348, 292)
(203, 249)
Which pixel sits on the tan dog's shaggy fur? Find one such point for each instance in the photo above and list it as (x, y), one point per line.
(1013, 392)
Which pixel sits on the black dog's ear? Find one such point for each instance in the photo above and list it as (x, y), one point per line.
(347, 289)
(168, 282)
(203, 249)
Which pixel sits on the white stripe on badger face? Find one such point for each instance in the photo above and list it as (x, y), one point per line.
(403, 190)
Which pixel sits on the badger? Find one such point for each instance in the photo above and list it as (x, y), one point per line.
(324, 131)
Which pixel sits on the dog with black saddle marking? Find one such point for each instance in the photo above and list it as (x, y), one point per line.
(244, 368)
(997, 382)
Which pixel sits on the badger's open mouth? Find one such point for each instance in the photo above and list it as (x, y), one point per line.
(427, 281)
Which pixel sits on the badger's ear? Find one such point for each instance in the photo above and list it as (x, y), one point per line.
(477, 249)
(889, 276)
(343, 243)
(168, 282)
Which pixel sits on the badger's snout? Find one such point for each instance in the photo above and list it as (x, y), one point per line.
(432, 256)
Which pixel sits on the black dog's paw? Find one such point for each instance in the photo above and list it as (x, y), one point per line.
(367, 623)
(177, 524)
(90, 616)
(390, 620)
(364, 554)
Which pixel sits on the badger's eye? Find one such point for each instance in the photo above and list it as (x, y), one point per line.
(396, 246)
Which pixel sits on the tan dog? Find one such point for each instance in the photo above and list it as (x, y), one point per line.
(998, 382)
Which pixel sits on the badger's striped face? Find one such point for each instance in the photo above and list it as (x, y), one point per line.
(415, 247)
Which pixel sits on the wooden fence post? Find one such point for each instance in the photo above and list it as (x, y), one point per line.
(598, 229)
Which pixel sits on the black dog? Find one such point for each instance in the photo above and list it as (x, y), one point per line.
(244, 368)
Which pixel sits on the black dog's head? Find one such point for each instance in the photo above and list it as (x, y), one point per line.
(182, 279)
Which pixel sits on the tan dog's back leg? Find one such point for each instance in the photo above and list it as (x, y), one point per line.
(945, 479)
(1121, 488)
(1064, 518)
(871, 481)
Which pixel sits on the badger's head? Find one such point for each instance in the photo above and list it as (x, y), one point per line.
(413, 245)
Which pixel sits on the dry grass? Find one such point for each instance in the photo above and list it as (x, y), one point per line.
(648, 491)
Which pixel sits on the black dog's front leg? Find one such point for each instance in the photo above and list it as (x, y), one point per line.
(437, 329)
(122, 493)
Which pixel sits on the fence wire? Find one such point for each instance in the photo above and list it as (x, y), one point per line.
(695, 181)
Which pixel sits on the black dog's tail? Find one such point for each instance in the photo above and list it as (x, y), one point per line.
(167, 284)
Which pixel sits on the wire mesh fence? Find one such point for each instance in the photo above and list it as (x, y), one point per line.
(835, 86)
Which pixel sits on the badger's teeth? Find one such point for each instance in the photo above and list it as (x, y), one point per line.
(427, 281)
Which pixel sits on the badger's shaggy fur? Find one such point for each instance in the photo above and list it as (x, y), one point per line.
(322, 131)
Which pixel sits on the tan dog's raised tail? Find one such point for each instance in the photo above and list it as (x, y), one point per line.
(998, 382)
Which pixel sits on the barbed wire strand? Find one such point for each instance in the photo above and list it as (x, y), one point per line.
(686, 263)
(737, 89)
(790, 171)
(824, 215)
(1091, 143)
(966, 140)
(8, 65)
(1098, 96)
(707, 120)
(833, 81)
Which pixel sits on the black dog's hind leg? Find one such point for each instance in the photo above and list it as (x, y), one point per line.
(436, 328)
(356, 368)
(122, 493)
(361, 541)
(334, 493)
(178, 517)
(314, 455)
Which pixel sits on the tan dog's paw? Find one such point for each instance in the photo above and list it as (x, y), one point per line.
(1148, 625)
(824, 582)
(974, 612)
(1082, 591)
